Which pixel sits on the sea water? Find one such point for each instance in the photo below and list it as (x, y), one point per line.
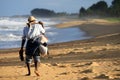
(11, 30)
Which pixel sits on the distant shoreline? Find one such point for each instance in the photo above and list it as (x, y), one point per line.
(93, 28)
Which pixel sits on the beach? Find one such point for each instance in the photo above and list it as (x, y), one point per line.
(97, 58)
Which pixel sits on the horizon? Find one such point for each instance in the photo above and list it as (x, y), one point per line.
(15, 7)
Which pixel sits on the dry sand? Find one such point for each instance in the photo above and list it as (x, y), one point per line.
(93, 59)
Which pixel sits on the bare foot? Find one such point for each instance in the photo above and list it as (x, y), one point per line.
(37, 73)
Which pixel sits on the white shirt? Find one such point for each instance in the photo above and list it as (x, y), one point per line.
(33, 31)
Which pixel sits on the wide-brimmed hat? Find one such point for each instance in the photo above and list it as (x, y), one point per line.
(31, 18)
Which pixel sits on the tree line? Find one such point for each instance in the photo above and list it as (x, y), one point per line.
(101, 9)
(46, 13)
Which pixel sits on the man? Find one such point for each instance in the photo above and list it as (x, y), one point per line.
(32, 32)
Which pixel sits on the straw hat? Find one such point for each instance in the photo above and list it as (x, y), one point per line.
(31, 18)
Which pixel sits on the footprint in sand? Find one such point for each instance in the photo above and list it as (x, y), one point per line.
(62, 66)
(116, 69)
(76, 65)
(74, 72)
(55, 64)
(65, 73)
(87, 64)
(87, 71)
(118, 75)
(59, 65)
(102, 76)
(82, 65)
(85, 78)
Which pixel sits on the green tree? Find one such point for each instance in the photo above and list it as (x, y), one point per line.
(82, 12)
(42, 12)
(99, 8)
(115, 8)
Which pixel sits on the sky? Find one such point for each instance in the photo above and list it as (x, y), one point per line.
(23, 7)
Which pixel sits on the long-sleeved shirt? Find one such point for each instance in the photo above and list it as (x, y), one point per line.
(33, 31)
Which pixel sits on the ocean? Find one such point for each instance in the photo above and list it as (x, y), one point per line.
(11, 29)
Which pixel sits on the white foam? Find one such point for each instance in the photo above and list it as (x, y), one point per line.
(9, 37)
(9, 22)
(52, 33)
(49, 23)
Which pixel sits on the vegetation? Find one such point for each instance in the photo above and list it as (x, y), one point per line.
(115, 8)
(101, 9)
(46, 13)
(42, 12)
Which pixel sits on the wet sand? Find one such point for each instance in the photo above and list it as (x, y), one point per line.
(92, 59)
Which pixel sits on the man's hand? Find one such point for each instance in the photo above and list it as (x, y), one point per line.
(21, 55)
(21, 50)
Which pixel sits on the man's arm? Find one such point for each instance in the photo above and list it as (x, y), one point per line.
(22, 44)
(21, 50)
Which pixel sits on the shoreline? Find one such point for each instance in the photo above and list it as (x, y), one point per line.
(94, 28)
